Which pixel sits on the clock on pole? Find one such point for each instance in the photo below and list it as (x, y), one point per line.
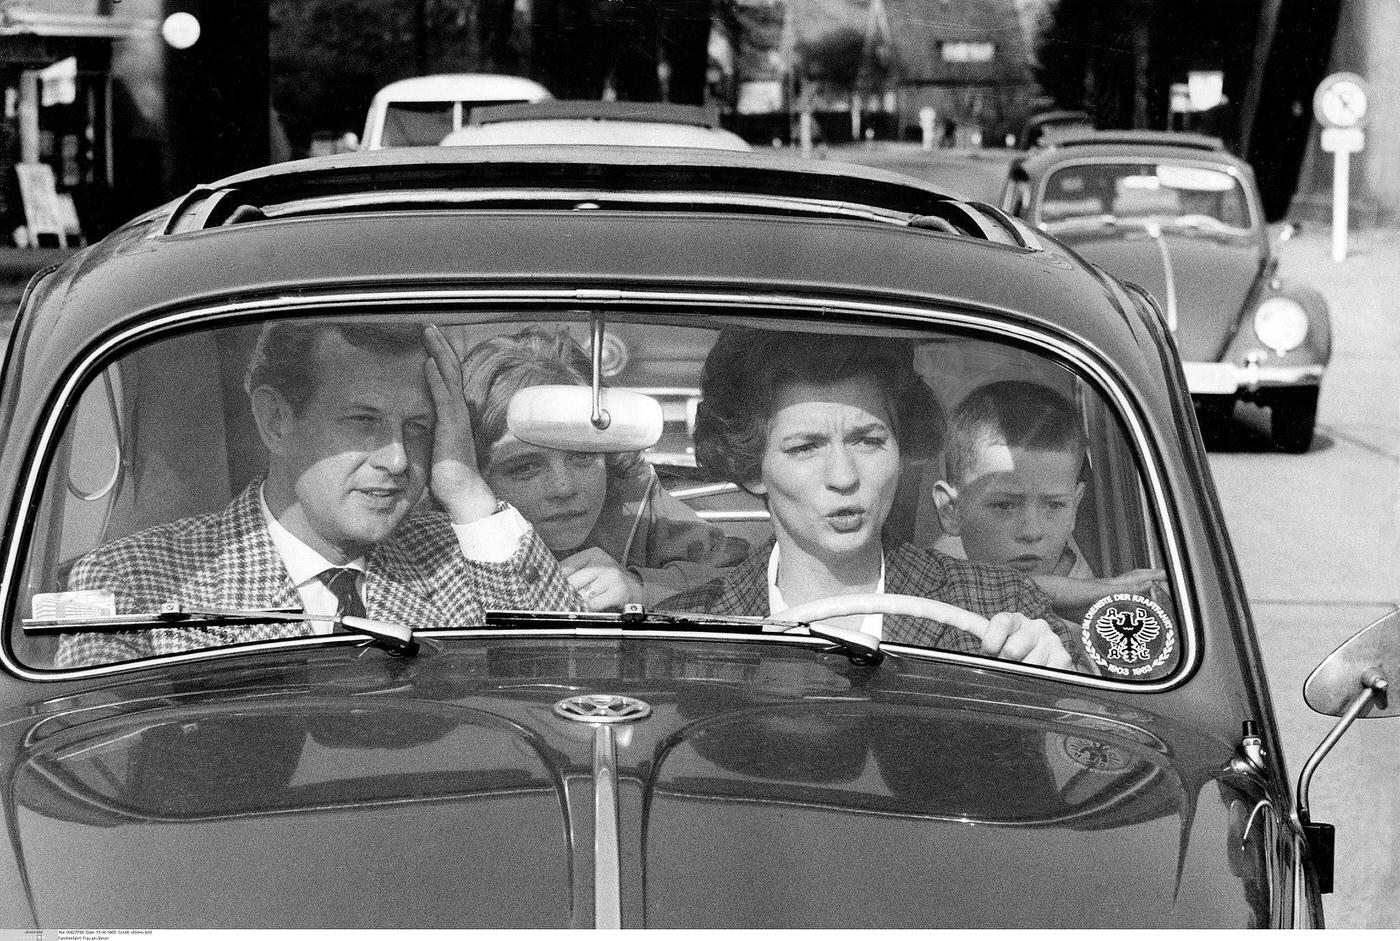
(1341, 107)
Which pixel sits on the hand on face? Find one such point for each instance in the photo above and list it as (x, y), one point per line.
(1012, 636)
(600, 581)
(454, 478)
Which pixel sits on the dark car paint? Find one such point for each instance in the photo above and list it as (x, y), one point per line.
(1212, 278)
(771, 786)
(172, 728)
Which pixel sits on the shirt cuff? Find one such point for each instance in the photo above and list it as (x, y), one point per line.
(493, 538)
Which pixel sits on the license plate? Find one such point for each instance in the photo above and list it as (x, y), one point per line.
(1210, 378)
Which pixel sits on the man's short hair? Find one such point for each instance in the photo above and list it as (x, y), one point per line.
(1014, 413)
(284, 355)
(746, 370)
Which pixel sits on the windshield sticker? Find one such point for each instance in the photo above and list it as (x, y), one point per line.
(1128, 635)
(58, 605)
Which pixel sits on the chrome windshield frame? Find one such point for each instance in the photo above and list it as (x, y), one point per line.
(905, 314)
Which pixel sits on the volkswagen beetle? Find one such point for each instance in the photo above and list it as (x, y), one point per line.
(226, 757)
(1180, 216)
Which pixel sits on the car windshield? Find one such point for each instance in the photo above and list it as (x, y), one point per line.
(425, 123)
(751, 464)
(1165, 191)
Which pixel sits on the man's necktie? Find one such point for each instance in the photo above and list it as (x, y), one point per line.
(341, 582)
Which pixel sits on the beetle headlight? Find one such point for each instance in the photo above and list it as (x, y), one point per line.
(1280, 323)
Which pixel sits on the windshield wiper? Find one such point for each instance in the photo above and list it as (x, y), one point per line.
(394, 637)
(859, 646)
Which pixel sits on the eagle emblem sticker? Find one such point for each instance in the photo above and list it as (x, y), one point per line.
(1128, 635)
(1094, 755)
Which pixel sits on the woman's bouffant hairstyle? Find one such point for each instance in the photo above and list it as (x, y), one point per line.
(747, 368)
(497, 368)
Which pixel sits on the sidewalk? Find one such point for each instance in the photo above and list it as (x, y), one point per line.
(17, 266)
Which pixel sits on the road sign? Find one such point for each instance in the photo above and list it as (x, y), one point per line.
(1340, 100)
(1343, 140)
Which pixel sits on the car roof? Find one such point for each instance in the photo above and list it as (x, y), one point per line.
(1076, 146)
(625, 132)
(656, 219)
(645, 112)
(1079, 137)
(459, 85)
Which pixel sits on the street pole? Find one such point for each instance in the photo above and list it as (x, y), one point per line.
(1341, 203)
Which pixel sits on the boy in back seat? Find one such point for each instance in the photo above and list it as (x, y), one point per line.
(1015, 459)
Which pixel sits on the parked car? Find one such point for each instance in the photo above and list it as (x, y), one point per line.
(1046, 124)
(1180, 216)
(215, 761)
(974, 173)
(623, 123)
(422, 110)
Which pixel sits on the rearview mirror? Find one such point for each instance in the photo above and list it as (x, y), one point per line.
(1198, 179)
(562, 417)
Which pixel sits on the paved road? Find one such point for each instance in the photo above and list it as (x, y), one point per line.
(1318, 546)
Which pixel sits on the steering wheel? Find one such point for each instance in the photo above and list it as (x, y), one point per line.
(842, 605)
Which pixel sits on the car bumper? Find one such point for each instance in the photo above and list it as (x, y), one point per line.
(1229, 379)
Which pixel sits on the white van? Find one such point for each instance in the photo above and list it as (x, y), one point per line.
(424, 110)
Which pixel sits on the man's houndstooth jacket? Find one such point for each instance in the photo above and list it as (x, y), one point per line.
(226, 559)
(909, 570)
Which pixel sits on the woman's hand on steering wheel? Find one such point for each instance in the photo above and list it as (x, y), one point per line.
(1008, 636)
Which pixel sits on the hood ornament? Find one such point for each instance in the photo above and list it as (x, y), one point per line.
(602, 707)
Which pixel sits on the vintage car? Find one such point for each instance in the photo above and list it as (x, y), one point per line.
(189, 737)
(620, 123)
(1180, 216)
(422, 110)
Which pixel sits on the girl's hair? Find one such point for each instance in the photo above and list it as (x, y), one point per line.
(497, 368)
(747, 369)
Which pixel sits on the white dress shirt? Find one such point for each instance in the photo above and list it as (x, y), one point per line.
(872, 624)
(494, 538)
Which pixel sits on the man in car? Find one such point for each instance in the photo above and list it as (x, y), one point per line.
(358, 420)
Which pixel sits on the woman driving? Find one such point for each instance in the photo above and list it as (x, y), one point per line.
(619, 536)
(818, 425)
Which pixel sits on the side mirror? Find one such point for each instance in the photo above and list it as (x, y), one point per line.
(1353, 683)
(563, 418)
(1365, 662)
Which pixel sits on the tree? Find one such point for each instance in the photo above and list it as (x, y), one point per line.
(329, 57)
(1094, 55)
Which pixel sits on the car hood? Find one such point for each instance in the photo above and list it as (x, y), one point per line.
(1201, 281)
(766, 786)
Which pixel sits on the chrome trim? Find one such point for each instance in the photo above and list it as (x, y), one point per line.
(603, 711)
(516, 197)
(733, 516)
(703, 490)
(1154, 232)
(1252, 376)
(607, 855)
(924, 315)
